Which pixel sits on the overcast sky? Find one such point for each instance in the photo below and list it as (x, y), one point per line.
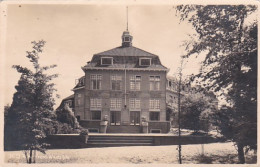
(75, 32)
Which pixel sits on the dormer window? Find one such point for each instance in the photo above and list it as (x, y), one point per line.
(144, 61)
(106, 60)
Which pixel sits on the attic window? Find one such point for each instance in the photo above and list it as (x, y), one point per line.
(106, 60)
(144, 61)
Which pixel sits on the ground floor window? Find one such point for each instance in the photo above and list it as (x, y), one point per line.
(168, 114)
(135, 118)
(115, 118)
(93, 130)
(155, 130)
(95, 115)
(154, 116)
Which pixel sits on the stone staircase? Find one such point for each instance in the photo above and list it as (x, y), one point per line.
(118, 141)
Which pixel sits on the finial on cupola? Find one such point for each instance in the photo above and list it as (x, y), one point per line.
(126, 37)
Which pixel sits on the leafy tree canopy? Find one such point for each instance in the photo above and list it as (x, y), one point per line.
(229, 39)
(31, 117)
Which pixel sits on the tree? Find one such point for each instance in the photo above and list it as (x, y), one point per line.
(66, 115)
(67, 122)
(31, 115)
(197, 108)
(230, 65)
(6, 110)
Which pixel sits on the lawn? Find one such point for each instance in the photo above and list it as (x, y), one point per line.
(213, 153)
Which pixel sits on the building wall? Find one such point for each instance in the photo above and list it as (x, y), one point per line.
(106, 94)
(79, 95)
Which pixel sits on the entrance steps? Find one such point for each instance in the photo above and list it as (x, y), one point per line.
(117, 141)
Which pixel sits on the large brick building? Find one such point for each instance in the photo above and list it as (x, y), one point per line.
(124, 86)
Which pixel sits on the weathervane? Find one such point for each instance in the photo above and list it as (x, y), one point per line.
(126, 18)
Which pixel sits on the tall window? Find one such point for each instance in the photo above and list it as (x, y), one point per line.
(115, 117)
(135, 118)
(135, 104)
(135, 82)
(96, 81)
(154, 116)
(154, 82)
(116, 82)
(95, 103)
(95, 115)
(115, 104)
(154, 104)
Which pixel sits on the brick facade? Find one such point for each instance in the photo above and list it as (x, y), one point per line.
(124, 84)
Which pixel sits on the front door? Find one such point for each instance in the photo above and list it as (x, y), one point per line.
(115, 118)
(135, 118)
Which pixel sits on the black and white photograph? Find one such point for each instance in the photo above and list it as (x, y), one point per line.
(129, 82)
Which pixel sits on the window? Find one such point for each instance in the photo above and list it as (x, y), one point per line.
(115, 103)
(127, 39)
(154, 116)
(168, 114)
(155, 131)
(78, 118)
(116, 82)
(135, 82)
(93, 130)
(80, 82)
(135, 118)
(135, 104)
(115, 118)
(106, 60)
(96, 82)
(144, 61)
(170, 84)
(95, 115)
(95, 103)
(154, 82)
(154, 104)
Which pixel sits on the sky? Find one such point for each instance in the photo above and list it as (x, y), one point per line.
(73, 33)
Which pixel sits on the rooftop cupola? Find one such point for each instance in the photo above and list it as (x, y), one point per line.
(126, 39)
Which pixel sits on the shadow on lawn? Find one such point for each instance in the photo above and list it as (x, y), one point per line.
(223, 159)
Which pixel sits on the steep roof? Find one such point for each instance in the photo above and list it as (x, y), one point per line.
(80, 83)
(125, 57)
(69, 97)
(126, 51)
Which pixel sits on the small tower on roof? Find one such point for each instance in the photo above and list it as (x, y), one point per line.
(126, 37)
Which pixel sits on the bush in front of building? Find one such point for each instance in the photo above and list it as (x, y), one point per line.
(67, 122)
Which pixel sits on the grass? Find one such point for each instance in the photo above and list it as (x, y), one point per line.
(214, 153)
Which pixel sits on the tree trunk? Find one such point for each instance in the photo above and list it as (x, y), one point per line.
(34, 157)
(241, 155)
(30, 157)
(26, 156)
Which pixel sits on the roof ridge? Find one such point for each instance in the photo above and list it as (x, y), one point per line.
(145, 51)
(106, 50)
(120, 47)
